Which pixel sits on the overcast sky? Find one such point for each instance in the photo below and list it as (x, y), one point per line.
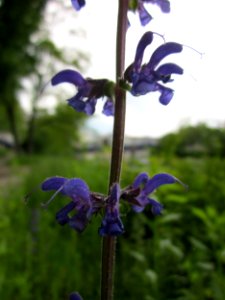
(199, 95)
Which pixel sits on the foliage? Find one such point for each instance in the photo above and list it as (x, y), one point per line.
(25, 38)
(177, 256)
(193, 141)
(17, 23)
(53, 134)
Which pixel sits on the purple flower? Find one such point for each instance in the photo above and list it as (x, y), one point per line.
(147, 77)
(84, 204)
(79, 193)
(75, 296)
(111, 223)
(144, 15)
(138, 193)
(88, 92)
(78, 4)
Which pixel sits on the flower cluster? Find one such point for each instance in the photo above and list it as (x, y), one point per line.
(84, 203)
(145, 78)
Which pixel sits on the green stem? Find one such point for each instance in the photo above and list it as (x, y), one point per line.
(109, 242)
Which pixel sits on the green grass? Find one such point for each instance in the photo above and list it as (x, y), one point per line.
(177, 256)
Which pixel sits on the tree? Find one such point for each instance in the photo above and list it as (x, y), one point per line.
(27, 53)
(17, 23)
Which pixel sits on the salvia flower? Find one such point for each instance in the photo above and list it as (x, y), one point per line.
(111, 223)
(88, 92)
(84, 203)
(78, 191)
(144, 16)
(78, 4)
(150, 76)
(138, 193)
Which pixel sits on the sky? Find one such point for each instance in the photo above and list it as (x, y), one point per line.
(199, 92)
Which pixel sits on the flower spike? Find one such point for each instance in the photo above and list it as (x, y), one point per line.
(84, 203)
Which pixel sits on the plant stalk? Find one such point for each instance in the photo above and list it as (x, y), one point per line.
(109, 242)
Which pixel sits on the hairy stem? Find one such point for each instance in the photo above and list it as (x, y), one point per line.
(109, 242)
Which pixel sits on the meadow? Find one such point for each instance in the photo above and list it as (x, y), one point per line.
(179, 255)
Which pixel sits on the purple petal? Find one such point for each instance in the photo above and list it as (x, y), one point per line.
(166, 94)
(144, 16)
(80, 220)
(164, 5)
(90, 106)
(77, 188)
(53, 183)
(156, 207)
(108, 108)
(158, 180)
(62, 215)
(111, 223)
(162, 51)
(78, 4)
(143, 43)
(69, 76)
(111, 226)
(77, 104)
(143, 86)
(142, 178)
(168, 69)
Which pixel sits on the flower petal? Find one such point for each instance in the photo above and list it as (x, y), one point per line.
(142, 178)
(162, 51)
(78, 4)
(108, 108)
(111, 226)
(164, 5)
(69, 76)
(111, 223)
(90, 106)
(80, 220)
(53, 183)
(144, 85)
(143, 43)
(168, 69)
(77, 104)
(166, 94)
(77, 188)
(144, 16)
(156, 207)
(158, 180)
(62, 215)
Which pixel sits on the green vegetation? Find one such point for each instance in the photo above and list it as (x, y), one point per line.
(177, 256)
(28, 60)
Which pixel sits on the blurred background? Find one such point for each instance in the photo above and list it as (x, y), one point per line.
(177, 256)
